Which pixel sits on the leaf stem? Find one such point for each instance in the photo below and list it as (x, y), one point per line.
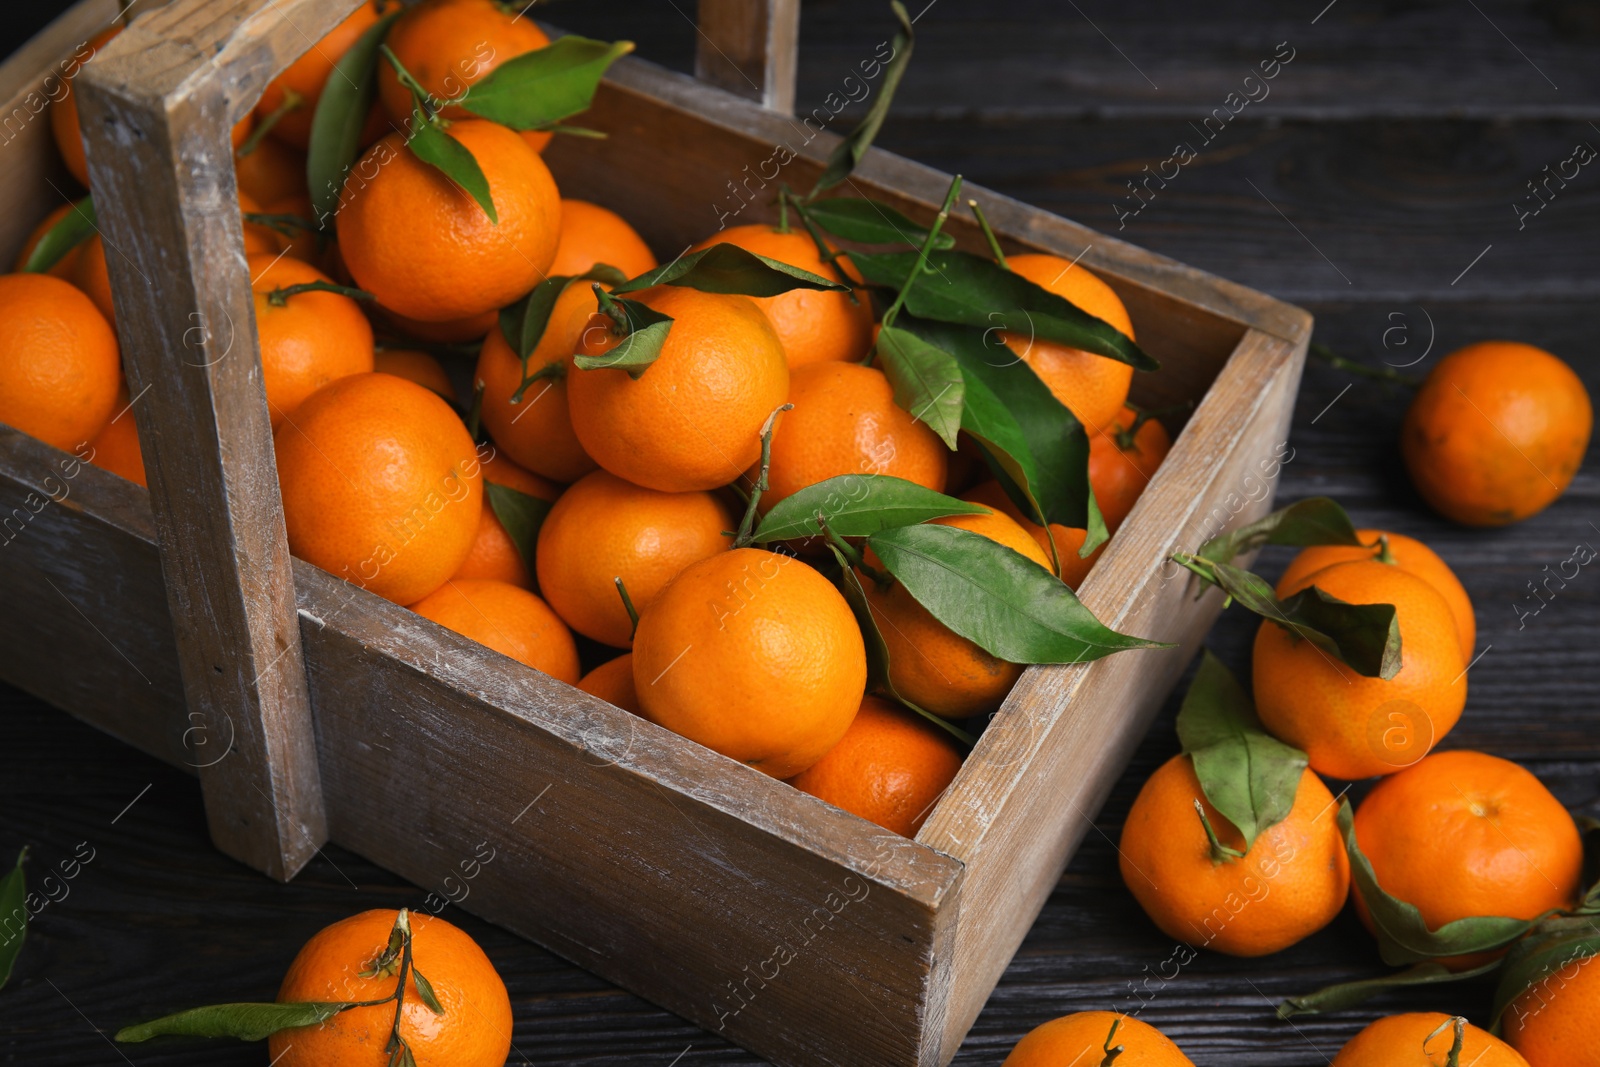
(292, 101)
(1112, 1053)
(1386, 374)
(747, 525)
(554, 371)
(1460, 1025)
(989, 234)
(280, 297)
(1125, 437)
(423, 98)
(1220, 853)
(922, 253)
(783, 212)
(1384, 554)
(830, 256)
(961, 736)
(627, 605)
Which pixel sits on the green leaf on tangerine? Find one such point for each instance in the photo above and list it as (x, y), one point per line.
(928, 381)
(727, 268)
(439, 150)
(339, 118)
(70, 231)
(870, 222)
(521, 515)
(546, 85)
(1317, 520)
(856, 505)
(1540, 963)
(644, 331)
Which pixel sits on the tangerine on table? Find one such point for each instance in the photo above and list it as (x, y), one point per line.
(449, 45)
(62, 268)
(474, 1031)
(890, 768)
(1552, 1023)
(381, 485)
(591, 234)
(308, 340)
(845, 421)
(537, 430)
(1407, 553)
(1290, 884)
(1353, 726)
(1424, 1039)
(604, 528)
(693, 419)
(1092, 387)
(494, 554)
(425, 248)
(1069, 539)
(1081, 1040)
(930, 665)
(415, 366)
(612, 682)
(59, 366)
(754, 655)
(1496, 433)
(512, 621)
(1465, 833)
(116, 449)
(271, 171)
(813, 325)
(1121, 462)
(306, 76)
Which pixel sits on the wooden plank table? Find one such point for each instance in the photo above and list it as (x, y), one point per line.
(1375, 184)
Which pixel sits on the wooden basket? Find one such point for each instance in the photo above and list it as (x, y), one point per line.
(314, 711)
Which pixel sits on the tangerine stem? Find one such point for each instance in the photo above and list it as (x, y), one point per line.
(1384, 554)
(923, 253)
(627, 605)
(989, 235)
(1460, 1025)
(783, 212)
(1111, 1053)
(747, 525)
(1220, 853)
(279, 297)
(292, 101)
(1387, 374)
(423, 98)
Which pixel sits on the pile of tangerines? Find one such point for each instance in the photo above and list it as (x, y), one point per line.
(779, 495)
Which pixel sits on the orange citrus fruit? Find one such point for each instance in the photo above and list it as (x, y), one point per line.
(845, 421)
(1410, 555)
(306, 76)
(1465, 833)
(612, 682)
(474, 1031)
(308, 339)
(1424, 1039)
(812, 325)
(63, 266)
(381, 485)
(447, 331)
(1122, 461)
(421, 245)
(931, 666)
(271, 171)
(1552, 1023)
(890, 768)
(1354, 726)
(64, 112)
(116, 449)
(448, 45)
(693, 419)
(1092, 387)
(604, 528)
(494, 554)
(591, 234)
(1290, 884)
(59, 367)
(1069, 539)
(415, 366)
(1083, 1040)
(754, 655)
(512, 621)
(1496, 433)
(536, 431)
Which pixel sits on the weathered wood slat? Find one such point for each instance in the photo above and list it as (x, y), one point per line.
(750, 48)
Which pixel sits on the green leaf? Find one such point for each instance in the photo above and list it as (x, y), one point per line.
(996, 597)
(646, 331)
(523, 323)
(247, 1022)
(844, 158)
(13, 916)
(870, 222)
(425, 991)
(727, 268)
(1346, 995)
(1318, 520)
(1403, 937)
(970, 290)
(70, 231)
(450, 157)
(857, 505)
(521, 515)
(340, 116)
(928, 381)
(1248, 775)
(1542, 958)
(546, 85)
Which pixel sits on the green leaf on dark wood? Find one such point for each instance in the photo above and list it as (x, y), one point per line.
(1346, 995)
(450, 157)
(996, 597)
(647, 331)
(727, 268)
(1403, 936)
(247, 1022)
(542, 87)
(844, 158)
(1248, 775)
(870, 222)
(969, 290)
(1546, 960)
(927, 380)
(70, 231)
(521, 515)
(340, 116)
(857, 505)
(13, 917)
(1317, 520)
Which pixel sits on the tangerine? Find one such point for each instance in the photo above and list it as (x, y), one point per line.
(1069, 539)
(59, 367)
(612, 682)
(590, 234)
(1086, 1039)
(271, 171)
(306, 76)
(512, 621)
(116, 449)
(307, 340)
(1552, 1023)
(494, 554)
(448, 46)
(1424, 1039)
(1122, 460)
(415, 366)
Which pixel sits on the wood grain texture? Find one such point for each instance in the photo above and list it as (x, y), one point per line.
(157, 107)
(750, 48)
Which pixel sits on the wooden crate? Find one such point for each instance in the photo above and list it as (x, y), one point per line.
(313, 711)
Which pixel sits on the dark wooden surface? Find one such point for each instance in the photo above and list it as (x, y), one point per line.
(1387, 157)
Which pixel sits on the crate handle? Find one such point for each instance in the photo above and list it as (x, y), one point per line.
(749, 48)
